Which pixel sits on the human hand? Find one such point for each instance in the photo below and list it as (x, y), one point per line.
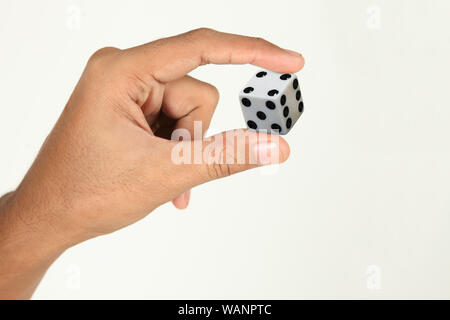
(108, 161)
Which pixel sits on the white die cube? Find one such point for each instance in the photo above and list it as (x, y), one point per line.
(271, 102)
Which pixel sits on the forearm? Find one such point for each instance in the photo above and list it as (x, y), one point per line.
(24, 253)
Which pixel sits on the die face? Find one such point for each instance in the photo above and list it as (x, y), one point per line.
(268, 85)
(293, 108)
(270, 102)
(263, 115)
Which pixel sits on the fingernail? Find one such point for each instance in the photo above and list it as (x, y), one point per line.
(293, 53)
(187, 197)
(266, 153)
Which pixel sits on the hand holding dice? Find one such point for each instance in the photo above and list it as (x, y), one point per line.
(271, 102)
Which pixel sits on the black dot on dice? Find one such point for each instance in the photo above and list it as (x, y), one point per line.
(251, 124)
(248, 89)
(298, 95)
(261, 74)
(300, 107)
(276, 127)
(286, 111)
(288, 123)
(295, 84)
(270, 105)
(261, 115)
(272, 92)
(285, 76)
(283, 100)
(246, 102)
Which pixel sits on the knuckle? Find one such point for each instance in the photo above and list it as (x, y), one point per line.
(214, 94)
(203, 32)
(103, 54)
(106, 67)
(218, 167)
(259, 40)
(138, 90)
(218, 170)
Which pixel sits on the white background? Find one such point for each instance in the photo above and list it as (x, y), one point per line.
(360, 210)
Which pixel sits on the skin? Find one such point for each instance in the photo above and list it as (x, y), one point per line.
(107, 162)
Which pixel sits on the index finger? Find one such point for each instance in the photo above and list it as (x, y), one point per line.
(171, 58)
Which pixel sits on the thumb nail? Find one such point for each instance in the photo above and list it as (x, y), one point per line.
(266, 153)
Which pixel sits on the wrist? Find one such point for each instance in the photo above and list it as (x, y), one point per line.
(26, 250)
(25, 233)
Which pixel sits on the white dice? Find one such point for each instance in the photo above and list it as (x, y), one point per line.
(271, 102)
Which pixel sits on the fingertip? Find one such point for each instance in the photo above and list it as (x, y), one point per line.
(178, 204)
(298, 61)
(182, 201)
(284, 150)
(271, 149)
(287, 61)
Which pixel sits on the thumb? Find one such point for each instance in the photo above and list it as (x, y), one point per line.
(199, 161)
